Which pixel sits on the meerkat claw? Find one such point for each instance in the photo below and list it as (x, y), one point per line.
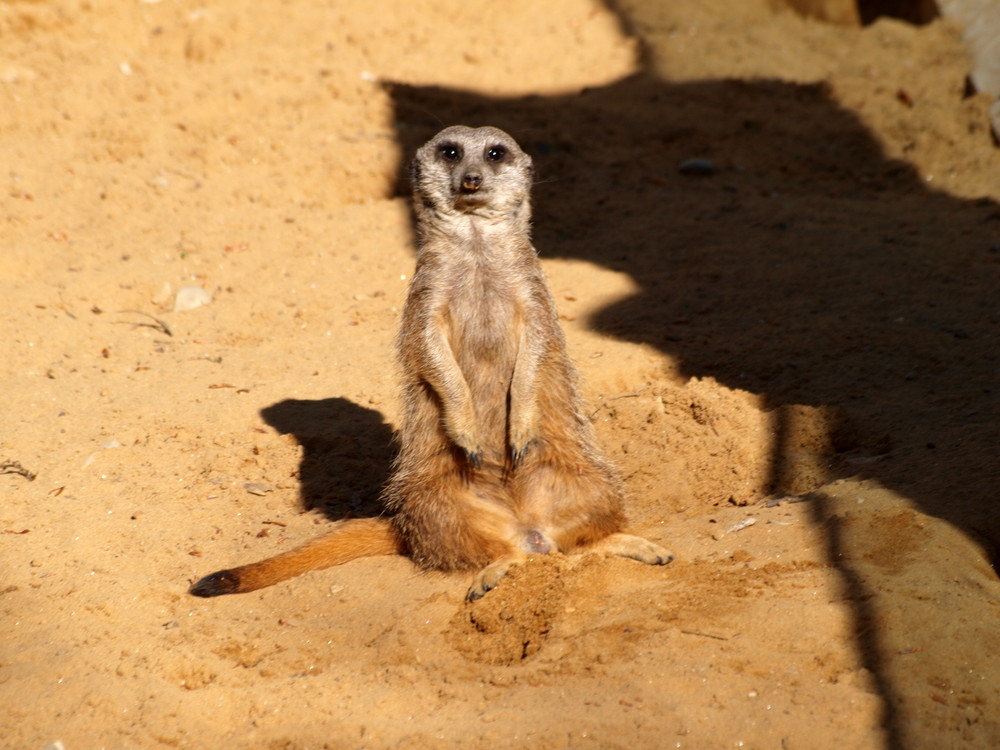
(517, 455)
(477, 592)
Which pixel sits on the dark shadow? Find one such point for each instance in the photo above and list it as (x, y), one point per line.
(347, 453)
(865, 12)
(794, 261)
(914, 11)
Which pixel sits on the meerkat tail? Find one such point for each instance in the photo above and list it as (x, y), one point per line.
(349, 540)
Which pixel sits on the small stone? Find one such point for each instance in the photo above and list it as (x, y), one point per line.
(256, 488)
(740, 525)
(17, 74)
(190, 297)
(697, 167)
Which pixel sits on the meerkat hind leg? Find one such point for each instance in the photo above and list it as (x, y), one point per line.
(621, 545)
(632, 547)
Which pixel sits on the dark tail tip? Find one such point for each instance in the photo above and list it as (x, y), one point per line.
(217, 584)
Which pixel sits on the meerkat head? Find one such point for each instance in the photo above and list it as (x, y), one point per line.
(472, 170)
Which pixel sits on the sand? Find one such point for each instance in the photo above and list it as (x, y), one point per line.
(789, 347)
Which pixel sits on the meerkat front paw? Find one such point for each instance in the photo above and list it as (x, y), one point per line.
(475, 458)
(523, 432)
(466, 437)
(519, 451)
(471, 448)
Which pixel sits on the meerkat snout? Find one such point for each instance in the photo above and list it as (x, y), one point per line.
(471, 182)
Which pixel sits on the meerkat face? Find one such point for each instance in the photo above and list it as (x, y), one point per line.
(472, 170)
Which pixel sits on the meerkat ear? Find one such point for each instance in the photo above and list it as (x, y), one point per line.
(414, 172)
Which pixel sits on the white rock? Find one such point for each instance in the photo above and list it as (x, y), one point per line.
(190, 297)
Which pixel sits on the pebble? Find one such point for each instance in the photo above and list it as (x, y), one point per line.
(190, 297)
(697, 167)
(15, 74)
(776, 501)
(739, 526)
(256, 488)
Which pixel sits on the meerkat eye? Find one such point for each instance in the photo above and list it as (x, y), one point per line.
(450, 152)
(496, 153)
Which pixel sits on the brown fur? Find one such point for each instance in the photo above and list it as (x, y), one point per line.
(497, 459)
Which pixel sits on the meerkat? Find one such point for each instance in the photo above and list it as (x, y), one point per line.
(497, 460)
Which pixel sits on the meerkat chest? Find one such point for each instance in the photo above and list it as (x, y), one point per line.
(485, 316)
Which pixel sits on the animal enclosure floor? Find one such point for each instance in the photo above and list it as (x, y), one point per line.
(774, 243)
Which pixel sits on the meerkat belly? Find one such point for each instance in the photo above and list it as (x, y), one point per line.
(485, 344)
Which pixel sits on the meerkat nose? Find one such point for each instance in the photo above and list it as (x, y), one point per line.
(472, 181)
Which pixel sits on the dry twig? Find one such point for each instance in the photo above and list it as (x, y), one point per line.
(14, 467)
(156, 325)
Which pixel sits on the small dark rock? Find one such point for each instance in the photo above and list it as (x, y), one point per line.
(697, 167)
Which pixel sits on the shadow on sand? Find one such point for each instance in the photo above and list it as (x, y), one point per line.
(346, 456)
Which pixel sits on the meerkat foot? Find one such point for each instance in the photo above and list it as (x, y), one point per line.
(634, 548)
(489, 577)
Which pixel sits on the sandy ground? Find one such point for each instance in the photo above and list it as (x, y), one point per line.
(800, 331)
